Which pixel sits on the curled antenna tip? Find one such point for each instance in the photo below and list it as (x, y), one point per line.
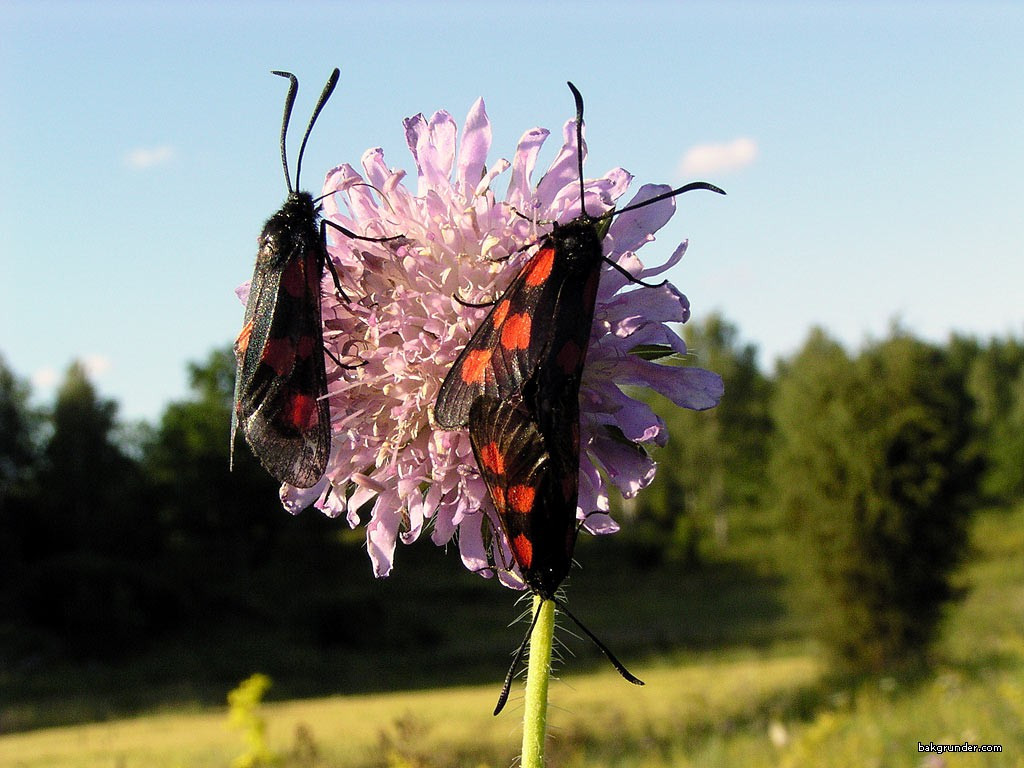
(695, 185)
(324, 96)
(576, 95)
(579, 146)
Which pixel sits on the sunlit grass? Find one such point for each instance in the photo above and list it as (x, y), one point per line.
(732, 707)
(363, 730)
(750, 712)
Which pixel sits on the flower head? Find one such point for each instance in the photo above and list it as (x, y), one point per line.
(391, 465)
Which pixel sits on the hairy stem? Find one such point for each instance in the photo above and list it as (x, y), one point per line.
(537, 676)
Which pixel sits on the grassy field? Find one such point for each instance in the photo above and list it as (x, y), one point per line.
(763, 704)
(447, 727)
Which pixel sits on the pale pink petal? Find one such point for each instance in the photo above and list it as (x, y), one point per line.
(294, 500)
(692, 388)
(627, 313)
(600, 524)
(592, 494)
(609, 405)
(523, 163)
(471, 543)
(677, 256)
(563, 172)
(629, 467)
(382, 533)
(476, 141)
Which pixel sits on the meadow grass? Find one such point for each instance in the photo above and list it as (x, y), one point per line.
(763, 704)
(441, 727)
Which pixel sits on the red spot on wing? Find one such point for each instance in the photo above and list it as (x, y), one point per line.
(279, 354)
(302, 412)
(522, 550)
(305, 346)
(492, 459)
(521, 498)
(242, 342)
(313, 275)
(293, 278)
(500, 313)
(474, 366)
(515, 334)
(540, 266)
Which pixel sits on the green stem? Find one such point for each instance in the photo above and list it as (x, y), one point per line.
(535, 717)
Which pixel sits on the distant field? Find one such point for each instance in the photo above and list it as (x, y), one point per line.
(734, 707)
(446, 727)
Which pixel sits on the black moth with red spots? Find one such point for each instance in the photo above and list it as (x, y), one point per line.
(281, 379)
(516, 386)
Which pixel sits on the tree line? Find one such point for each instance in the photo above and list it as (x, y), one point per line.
(869, 461)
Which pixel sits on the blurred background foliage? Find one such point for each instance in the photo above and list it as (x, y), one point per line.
(827, 501)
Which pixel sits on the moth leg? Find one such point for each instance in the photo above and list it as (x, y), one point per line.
(340, 364)
(520, 214)
(482, 304)
(475, 305)
(324, 223)
(495, 536)
(628, 276)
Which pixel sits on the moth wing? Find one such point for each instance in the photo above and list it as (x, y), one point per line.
(509, 343)
(527, 485)
(281, 378)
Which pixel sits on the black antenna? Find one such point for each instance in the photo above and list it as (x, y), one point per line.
(665, 195)
(503, 696)
(289, 102)
(325, 94)
(657, 198)
(579, 144)
(293, 88)
(619, 666)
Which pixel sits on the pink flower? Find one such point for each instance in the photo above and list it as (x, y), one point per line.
(391, 466)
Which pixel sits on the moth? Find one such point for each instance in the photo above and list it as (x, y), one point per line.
(516, 386)
(280, 401)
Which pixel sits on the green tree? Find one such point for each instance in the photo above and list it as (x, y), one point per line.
(996, 383)
(1005, 476)
(231, 548)
(872, 468)
(19, 462)
(18, 424)
(216, 518)
(85, 472)
(714, 465)
(89, 544)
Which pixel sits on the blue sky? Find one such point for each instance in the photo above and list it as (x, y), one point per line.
(873, 154)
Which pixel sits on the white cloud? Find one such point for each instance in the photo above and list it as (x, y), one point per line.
(143, 158)
(96, 365)
(47, 378)
(44, 378)
(717, 158)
